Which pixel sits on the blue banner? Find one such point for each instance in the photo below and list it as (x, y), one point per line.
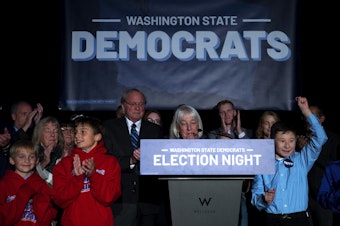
(193, 52)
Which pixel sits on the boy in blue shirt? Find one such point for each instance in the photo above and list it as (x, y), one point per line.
(284, 195)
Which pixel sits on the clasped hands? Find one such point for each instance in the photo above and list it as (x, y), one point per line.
(35, 116)
(86, 166)
(235, 124)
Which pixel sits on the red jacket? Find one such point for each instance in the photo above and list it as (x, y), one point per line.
(87, 200)
(25, 202)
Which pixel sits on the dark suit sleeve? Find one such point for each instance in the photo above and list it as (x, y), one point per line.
(117, 142)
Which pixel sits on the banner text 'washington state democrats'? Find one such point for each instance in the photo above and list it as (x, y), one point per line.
(193, 52)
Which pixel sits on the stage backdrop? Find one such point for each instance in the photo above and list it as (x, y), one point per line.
(196, 52)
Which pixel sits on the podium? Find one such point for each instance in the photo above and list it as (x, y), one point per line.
(205, 176)
(205, 201)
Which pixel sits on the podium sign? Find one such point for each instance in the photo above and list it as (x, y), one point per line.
(207, 156)
(205, 202)
(203, 186)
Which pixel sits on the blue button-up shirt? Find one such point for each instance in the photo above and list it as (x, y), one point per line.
(290, 183)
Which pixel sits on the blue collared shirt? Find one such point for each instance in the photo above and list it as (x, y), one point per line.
(290, 183)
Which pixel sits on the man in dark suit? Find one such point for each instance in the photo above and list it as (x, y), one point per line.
(24, 118)
(140, 202)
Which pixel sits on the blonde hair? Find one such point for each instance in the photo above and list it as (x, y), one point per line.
(259, 131)
(38, 130)
(38, 137)
(22, 144)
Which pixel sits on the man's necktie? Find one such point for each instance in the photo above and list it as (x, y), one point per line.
(134, 136)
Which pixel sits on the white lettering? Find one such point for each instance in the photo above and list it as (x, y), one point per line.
(183, 45)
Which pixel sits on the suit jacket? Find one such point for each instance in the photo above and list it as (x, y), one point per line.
(135, 188)
(15, 136)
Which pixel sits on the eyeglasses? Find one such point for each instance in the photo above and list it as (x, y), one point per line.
(67, 130)
(140, 104)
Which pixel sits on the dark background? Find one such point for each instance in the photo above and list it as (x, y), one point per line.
(32, 54)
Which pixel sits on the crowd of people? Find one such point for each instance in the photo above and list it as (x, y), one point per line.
(86, 171)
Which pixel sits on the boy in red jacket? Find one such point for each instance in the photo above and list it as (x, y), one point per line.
(87, 182)
(25, 198)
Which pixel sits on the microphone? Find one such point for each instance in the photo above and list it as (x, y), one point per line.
(198, 131)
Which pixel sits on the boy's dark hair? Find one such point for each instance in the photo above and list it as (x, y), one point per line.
(281, 127)
(93, 122)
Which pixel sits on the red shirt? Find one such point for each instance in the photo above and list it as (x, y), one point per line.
(25, 201)
(87, 200)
